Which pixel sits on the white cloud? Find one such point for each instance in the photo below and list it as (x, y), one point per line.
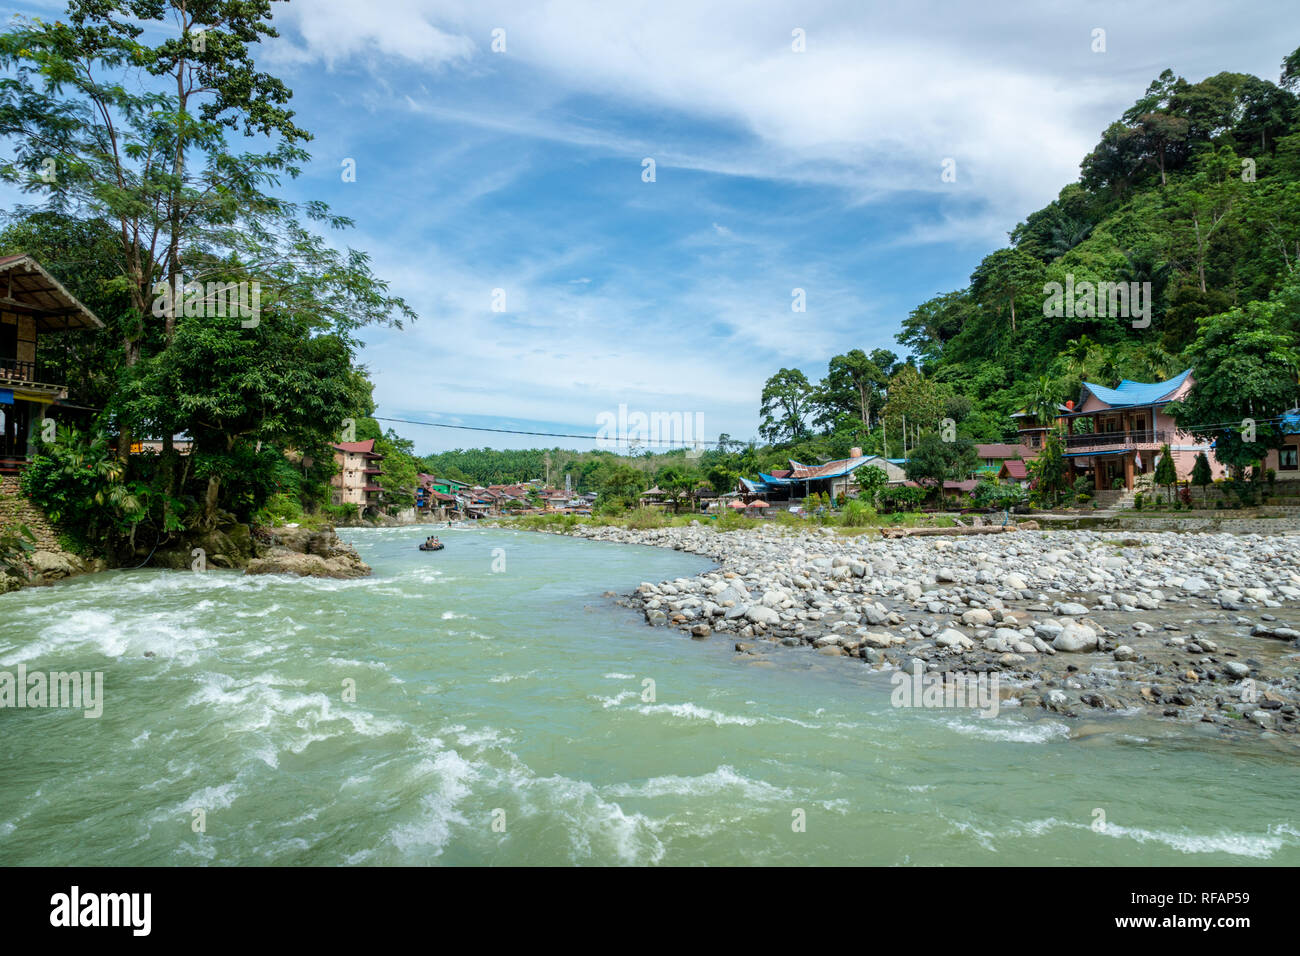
(877, 101)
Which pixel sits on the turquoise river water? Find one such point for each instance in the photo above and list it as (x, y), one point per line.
(516, 716)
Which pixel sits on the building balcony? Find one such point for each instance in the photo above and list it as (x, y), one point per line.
(1104, 442)
(28, 375)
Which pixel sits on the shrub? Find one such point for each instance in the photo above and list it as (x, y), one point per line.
(1137, 501)
(901, 498)
(280, 509)
(858, 514)
(345, 512)
(731, 520)
(643, 519)
(15, 545)
(789, 520)
(79, 483)
(989, 494)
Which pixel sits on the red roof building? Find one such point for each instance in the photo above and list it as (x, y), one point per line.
(356, 481)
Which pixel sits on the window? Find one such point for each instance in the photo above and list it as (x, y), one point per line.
(1287, 458)
(8, 342)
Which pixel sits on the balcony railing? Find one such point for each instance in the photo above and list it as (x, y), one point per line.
(1117, 439)
(12, 370)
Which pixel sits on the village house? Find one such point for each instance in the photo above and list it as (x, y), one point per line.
(994, 455)
(33, 304)
(436, 496)
(357, 481)
(652, 496)
(1032, 431)
(1014, 470)
(1285, 461)
(1123, 429)
(833, 478)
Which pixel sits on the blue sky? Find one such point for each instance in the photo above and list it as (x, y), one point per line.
(522, 171)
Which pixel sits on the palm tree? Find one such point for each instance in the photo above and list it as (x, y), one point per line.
(1043, 401)
(1066, 234)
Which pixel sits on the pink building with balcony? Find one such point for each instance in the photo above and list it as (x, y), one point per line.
(1127, 427)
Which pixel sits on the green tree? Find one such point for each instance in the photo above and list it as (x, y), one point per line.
(870, 481)
(915, 401)
(623, 484)
(853, 385)
(933, 323)
(231, 388)
(1004, 276)
(1202, 477)
(1166, 474)
(786, 399)
(1246, 371)
(934, 461)
(1051, 473)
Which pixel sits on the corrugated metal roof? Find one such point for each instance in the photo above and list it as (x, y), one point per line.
(1128, 394)
(998, 450)
(1291, 422)
(832, 469)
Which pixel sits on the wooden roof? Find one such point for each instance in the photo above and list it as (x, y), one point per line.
(26, 287)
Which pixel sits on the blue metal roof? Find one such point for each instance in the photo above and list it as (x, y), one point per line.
(769, 480)
(1291, 422)
(1128, 394)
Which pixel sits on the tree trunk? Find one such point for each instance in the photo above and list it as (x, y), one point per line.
(210, 502)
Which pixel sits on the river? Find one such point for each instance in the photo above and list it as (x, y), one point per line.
(487, 705)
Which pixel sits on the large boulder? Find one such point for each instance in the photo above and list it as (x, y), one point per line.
(53, 565)
(1076, 638)
(228, 545)
(278, 560)
(762, 615)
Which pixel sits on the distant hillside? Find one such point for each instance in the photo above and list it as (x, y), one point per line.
(1194, 190)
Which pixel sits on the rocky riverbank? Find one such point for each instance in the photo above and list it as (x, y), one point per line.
(317, 554)
(230, 546)
(1188, 627)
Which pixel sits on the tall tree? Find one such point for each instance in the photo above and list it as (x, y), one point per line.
(853, 384)
(786, 404)
(1166, 473)
(1202, 476)
(934, 461)
(1246, 374)
(1003, 276)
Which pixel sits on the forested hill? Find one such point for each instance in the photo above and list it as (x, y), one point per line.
(1195, 189)
(1192, 196)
